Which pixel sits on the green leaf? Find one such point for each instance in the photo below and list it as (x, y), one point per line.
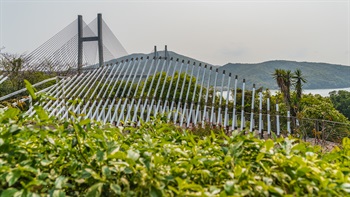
(12, 177)
(101, 155)
(115, 188)
(1, 142)
(58, 193)
(229, 187)
(60, 182)
(259, 157)
(133, 155)
(269, 144)
(84, 122)
(9, 192)
(95, 190)
(155, 192)
(105, 171)
(52, 141)
(11, 113)
(30, 89)
(41, 113)
(45, 162)
(346, 187)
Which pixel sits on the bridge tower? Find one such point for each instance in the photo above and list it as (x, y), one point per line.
(82, 39)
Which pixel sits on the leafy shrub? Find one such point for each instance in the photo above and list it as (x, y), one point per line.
(41, 156)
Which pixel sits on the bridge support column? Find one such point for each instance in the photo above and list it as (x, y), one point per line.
(82, 39)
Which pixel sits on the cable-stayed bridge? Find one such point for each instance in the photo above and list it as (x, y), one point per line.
(78, 41)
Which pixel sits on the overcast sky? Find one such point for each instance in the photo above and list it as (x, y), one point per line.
(216, 32)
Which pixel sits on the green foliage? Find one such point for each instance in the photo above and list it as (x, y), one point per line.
(341, 101)
(41, 156)
(12, 65)
(318, 107)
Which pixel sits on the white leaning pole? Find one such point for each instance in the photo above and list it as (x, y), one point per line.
(103, 98)
(182, 89)
(115, 115)
(136, 90)
(109, 115)
(206, 99)
(134, 118)
(156, 90)
(148, 92)
(170, 85)
(242, 110)
(277, 120)
(98, 80)
(106, 101)
(234, 115)
(111, 102)
(260, 116)
(163, 87)
(200, 97)
(193, 97)
(252, 110)
(227, 99)
(128, 94)
(187, 94)
(102, 71)
(268, 117)
(213, 98)
(89, 114)
(76, 93)
(219, 121)
(174, 94)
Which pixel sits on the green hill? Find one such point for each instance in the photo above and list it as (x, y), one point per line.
(319, 75)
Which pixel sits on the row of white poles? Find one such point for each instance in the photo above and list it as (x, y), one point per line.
(128, 93)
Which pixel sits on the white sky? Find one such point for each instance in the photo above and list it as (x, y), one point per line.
(216, 32)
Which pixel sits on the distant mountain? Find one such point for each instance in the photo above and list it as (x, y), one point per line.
(318, 75)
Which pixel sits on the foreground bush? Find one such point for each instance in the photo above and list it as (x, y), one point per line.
(40, 156)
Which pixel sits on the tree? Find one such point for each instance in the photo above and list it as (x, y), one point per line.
(283, 79)
(13, 65)
(341, 101)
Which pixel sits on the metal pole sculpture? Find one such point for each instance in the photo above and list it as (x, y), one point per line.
(143, 90)
(242, 110)
(182, 89)
(171, 83)
(193, 97)
(268, 117)
(199, 102)
(176, 86)
(277, 120)
(136, 90)
(82, 39)
(252, 110)
(213, 98)
(163, 86)
(206, 98)
(234, 115)
(188, 92)
(226, 104)
(219, 121)
(260, 115)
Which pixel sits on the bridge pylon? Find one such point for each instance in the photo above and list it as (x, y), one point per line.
(82, 39)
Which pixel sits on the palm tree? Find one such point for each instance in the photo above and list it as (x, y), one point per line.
(283, 79)
(298, 79)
